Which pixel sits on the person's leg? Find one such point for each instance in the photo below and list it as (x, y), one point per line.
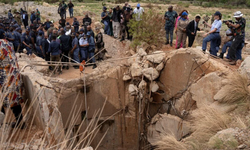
(17, 111)
(171, 35)
(184, 39)
(239, 51)
(235, 44)
(205, 40)
(72, 12)
(213, 50)
(179, 34)
(114, 29)
(118, 29)
(127, 31)
(190, 41)
(76, 55)
(167, 34)
(83, 57)
(29, 52)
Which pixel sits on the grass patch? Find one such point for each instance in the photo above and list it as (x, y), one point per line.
(170, 143)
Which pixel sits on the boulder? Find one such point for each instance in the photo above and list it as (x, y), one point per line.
(245, 67)
(134, 59)
(166, 124)
(154, 86)
(150, 73)
(141, 52)
(157, 57)
(204, 90)
(136, 70)
(133, 90)
(126, 77)
(88, 148)
(220, 95)
(160, 66)
(142, 84)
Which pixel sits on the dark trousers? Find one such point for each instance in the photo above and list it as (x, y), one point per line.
(65, 59)
(17, 111)
(190, 40)
(236, 45)
(124, 30)
(57, 59)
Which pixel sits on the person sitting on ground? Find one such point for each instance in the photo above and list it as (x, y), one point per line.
(91, 49)
(54, 50)
(76, 25)
(11, 82)
(75, 49)
(213, 35)
(181, 30)
(83, 44)
(192, 29)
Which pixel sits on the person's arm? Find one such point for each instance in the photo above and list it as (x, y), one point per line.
(236, 26)
(103, 17)
(209, 25)
(179, 27)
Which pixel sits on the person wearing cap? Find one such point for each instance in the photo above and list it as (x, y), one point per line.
(26, 41)
(38, 15)
(99, 44)
(83, 44)
(10, 16)
(170, 17)
(105, 21)
(138, 11)
(116, 19)
(181, 30)
(25, 19)
(75, 49)
(213, 36)
(89, 29)
(70, 5)
(65, 41)
(91, 49)
(238, 36)
(54, 51)
(39, 48)
(76, 25)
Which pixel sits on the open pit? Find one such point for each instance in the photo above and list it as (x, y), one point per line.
(143, 96)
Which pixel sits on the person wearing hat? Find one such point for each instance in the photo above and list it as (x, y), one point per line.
(26, 41)
(116, 19)
(170, 17)
(83, 44)
(138, 11)
(91, 49)
(238, 37)
(213, 36)
(181, 30)
(75, 49)
(105, 21)
(99, 44)
(76, 25)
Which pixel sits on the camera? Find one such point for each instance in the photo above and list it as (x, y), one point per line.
(225, 21)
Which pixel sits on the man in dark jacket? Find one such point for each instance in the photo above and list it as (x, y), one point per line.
(47, 24)
(25, 19)
(116, 19)
(86, 21)
(70, 5)
(192, 29)
(45, 46)
(65, 41)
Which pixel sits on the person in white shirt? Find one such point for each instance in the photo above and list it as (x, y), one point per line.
(138, 11)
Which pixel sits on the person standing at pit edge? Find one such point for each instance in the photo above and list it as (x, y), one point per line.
(192, 29)
(170, 17)
(213, 35)
(238, 36)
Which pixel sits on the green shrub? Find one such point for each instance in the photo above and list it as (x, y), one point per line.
(150, 30)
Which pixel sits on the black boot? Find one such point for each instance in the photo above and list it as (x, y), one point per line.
(221, 55)
(122, 39)
(17, 111)
(94, 66)
(167, 42)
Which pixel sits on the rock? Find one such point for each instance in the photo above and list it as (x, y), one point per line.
(136, 70)
(154, 86)
(204, 90)
(126, 77)
(134, 59)
(160, 66)
(222, 138)
(220, 95)
(98, 25)
(156, 57)
(245, 67)
(242, 146)
(150, 73)
(142, 84)
(141, 52)
(88, 148)
(165, 124)
(132, 90)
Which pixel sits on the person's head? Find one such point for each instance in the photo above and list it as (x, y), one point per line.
(238, 15)
(138, 6)
(182, 12)
(19, 30)
(37, 10)
(197, 19)
(117, 7)
(40, 33)
(67, 24)
(51, 25)
(75, 19)
(184, 15)
(62, 31)
(70, 2)
(47, 20)
(88, 27)
(49, 31)
(170, 8)
(11, 28)
(126, 4)
(46, 36)
(77, 34)
(104, 9)
(217, 15)
(54, 32)
(88, 34)
(53, 37)
(1, 26)
(73, 35)
(81, 31)
(86, 16)
(59, 33)
(34, 22)
(10, 10)
(110, 10)
(63, 2)
(27, 31)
